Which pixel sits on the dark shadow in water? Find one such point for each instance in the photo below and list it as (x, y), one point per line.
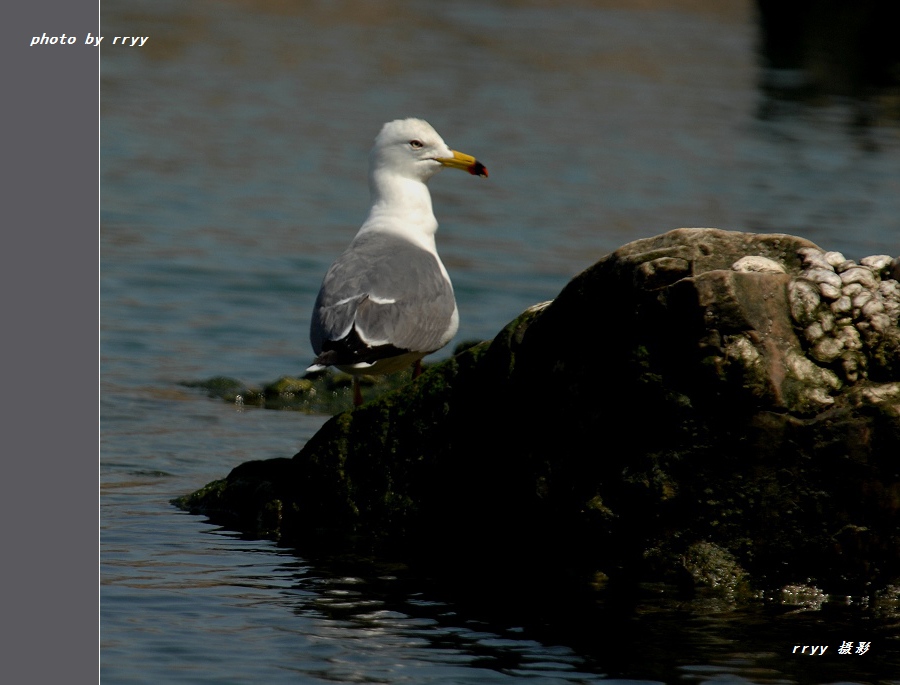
(814, 52)
(645, 631)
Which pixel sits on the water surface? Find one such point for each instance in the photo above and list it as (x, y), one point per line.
(234, 149)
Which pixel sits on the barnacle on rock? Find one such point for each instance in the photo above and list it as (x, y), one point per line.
(841, 305)
(847, 311)
(814, 332)
(834, 258)
(827, 350)
(853, 289)
(813, 257)
(858, 274)
(826, 276)
(805, 301)
(860, 299)
(879, 263)
(758, 264)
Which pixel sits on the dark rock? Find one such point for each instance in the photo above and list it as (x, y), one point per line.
(664, 417)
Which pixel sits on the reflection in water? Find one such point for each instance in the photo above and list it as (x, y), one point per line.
(833, 49)
(838, 60)
(656, 635)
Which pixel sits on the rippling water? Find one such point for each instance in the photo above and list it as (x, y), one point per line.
(234, 148)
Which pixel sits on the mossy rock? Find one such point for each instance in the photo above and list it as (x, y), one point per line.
(662, 418)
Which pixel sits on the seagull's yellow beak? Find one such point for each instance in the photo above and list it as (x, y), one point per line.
(460, 160)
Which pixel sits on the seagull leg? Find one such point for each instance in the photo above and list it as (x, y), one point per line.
(417, 369)
(357, 393)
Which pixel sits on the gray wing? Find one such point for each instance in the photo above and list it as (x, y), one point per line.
(387, 291)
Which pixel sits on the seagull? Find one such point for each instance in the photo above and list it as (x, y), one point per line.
(387, 301)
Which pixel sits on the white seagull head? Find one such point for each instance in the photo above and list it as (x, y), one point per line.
(412, 149)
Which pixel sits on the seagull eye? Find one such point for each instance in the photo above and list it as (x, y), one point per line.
(416, 144)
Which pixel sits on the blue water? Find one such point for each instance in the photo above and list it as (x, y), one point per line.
(234, 149)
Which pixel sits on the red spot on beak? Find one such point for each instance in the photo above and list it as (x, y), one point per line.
(478, 169)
